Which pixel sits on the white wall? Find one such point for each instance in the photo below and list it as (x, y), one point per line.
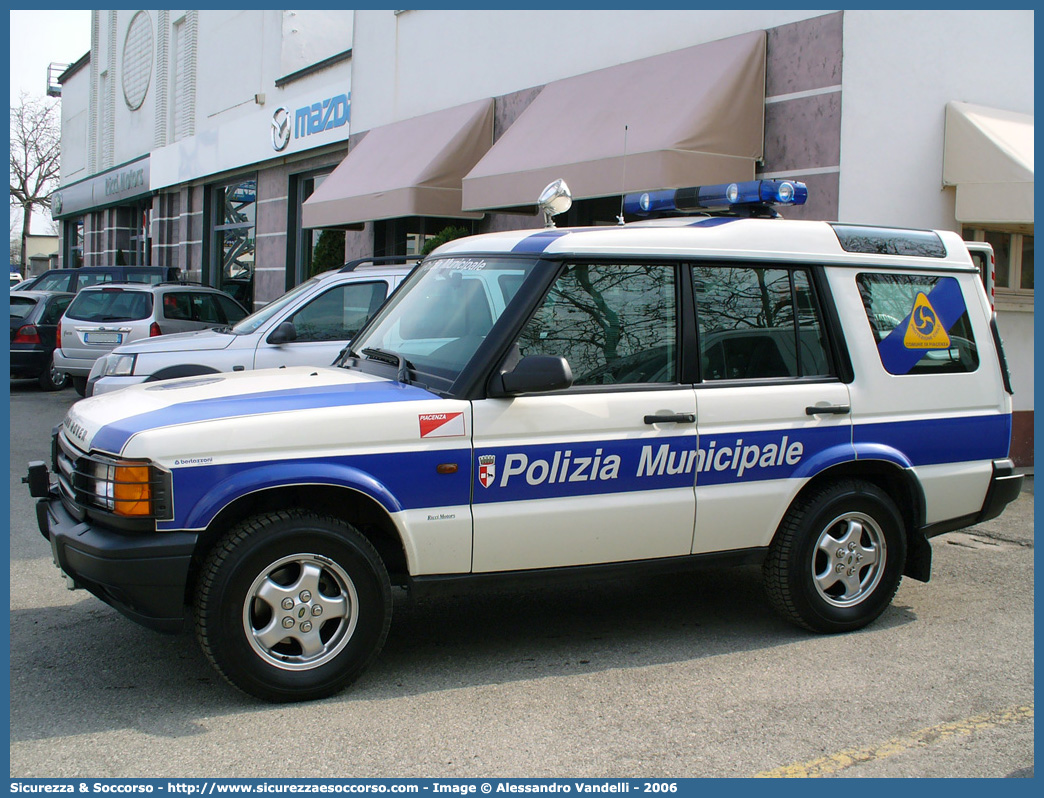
(900, 69)
(75, 93)
(1016, 329)
(311, 36)
(421, 61)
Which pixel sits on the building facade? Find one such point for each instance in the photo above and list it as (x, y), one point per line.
(227, 142)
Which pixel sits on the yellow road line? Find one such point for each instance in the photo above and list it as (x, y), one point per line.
(827, 765)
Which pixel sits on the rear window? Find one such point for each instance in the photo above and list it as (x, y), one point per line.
(111, 304)
(21, 306)
(920, 323)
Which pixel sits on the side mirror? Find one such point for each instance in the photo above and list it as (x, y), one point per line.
(533, 374)
(283, 334)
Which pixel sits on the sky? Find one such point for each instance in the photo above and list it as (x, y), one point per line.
(37, 39)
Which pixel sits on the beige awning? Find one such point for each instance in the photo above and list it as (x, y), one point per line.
(988, 156)
(408, 168)
(693, 116)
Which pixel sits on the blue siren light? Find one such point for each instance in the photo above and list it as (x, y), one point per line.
(718, 197)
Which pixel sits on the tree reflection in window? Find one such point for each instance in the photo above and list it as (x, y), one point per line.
(614, 323)
(748, 327)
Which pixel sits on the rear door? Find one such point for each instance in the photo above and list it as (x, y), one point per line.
(772, 410)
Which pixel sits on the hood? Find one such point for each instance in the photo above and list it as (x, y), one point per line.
(195, 341)
(107, 422)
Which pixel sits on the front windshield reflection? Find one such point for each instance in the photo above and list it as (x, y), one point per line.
(438, 319)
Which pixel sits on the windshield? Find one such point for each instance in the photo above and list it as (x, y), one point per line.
(256, 320)
(433, 325)
(111, 304)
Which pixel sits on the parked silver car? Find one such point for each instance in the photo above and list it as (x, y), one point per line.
(103, 317)
(307, 326)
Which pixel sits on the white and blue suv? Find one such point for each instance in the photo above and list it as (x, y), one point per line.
(818, 398)
(307, 326)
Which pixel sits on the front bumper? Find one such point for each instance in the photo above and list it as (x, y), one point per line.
(143, 575)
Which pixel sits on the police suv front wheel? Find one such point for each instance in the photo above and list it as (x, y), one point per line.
(837, 559)
(292, 605)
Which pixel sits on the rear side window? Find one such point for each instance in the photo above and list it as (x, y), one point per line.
(54, 282)
(84, 280)
(920, 323)
(150, 277)
(757, 323)
(111, 305)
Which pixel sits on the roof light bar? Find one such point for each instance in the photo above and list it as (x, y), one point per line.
(716, 198)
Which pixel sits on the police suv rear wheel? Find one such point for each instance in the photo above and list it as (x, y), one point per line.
(837, 558)
(292, 605)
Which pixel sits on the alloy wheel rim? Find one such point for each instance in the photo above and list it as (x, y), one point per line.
(300, 612)
(848, 559)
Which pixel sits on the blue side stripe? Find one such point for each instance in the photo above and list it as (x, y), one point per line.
(713, 221)
(941, 440)
(410, 480)
(112, 437)
(538, 242)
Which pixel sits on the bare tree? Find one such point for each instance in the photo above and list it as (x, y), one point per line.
(35, 154)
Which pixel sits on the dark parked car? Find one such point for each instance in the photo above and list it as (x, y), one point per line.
(34, 322)
(75, 279)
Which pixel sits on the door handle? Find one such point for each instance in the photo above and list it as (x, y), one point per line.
(672, 418)
(832, 410)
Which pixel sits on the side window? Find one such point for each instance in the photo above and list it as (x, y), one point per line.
(54, 282)
(55, 310)
(758, 323)
(150, 277)
(614, 323)
(205, 309)
(920, 323)
(92, 279)
(232, 311)
(340, 313)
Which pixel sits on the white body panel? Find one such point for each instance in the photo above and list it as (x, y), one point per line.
(567, 522)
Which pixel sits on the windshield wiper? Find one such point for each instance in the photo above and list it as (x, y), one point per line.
(392, 359)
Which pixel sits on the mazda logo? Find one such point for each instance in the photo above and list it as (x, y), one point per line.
(280, 129)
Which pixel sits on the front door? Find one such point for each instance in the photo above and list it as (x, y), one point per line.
(324, 326)
(601, 472)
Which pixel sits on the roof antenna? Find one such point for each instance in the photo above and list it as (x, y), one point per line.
(623, 188)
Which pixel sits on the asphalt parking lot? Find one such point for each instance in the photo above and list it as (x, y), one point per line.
(645, 677)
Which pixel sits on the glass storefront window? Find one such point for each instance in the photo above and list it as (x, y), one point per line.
(233, 243)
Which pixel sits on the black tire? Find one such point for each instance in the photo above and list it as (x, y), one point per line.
(837, 558)
(80, 385)
(51, 379)
(288, 570)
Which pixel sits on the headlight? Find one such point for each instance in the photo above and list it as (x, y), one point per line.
(128, 488)
(115, 366)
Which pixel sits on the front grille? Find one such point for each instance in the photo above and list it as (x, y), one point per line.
(87, 481)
